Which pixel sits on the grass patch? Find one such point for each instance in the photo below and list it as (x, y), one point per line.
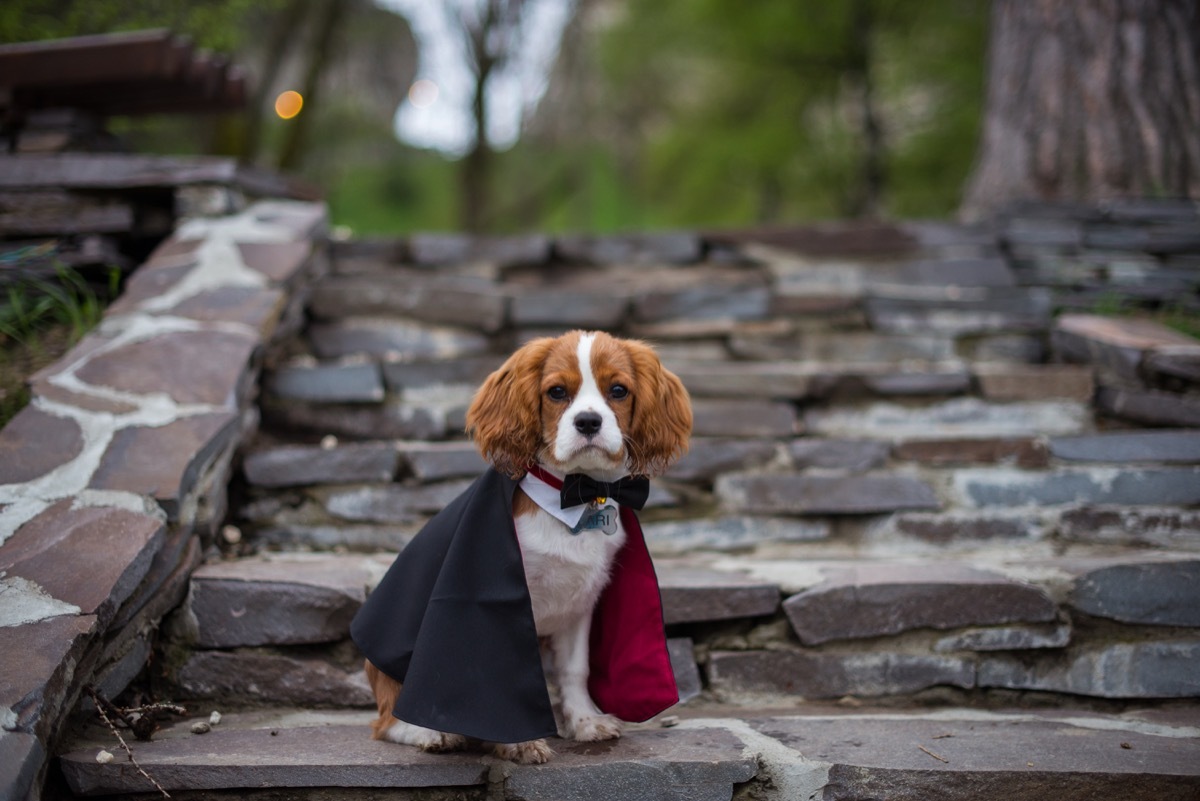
(43, 313)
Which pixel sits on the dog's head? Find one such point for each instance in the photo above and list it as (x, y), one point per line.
(583, 402)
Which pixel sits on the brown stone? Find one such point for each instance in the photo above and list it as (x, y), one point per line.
(189, 366)
(38, 670)
(692, 595)
(259, 309)
(708, 457)
(245, 676)
(165, 462)
(93, 557)
(149, 281)
(1162, 528)
(743, 418)
(856, 601)
(1034, 382)
(1021, 451)
(783, 380)
(34, 443)
(1150, 407)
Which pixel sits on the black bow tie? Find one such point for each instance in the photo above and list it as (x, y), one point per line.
(630, 491)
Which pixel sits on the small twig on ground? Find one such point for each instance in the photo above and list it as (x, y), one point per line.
(104, 706)
(935, 756)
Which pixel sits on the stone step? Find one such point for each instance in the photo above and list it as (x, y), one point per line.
(712, 753)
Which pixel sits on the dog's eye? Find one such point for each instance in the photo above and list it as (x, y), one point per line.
(618, 391)
(557, 393)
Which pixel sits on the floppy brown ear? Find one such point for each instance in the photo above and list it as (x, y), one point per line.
(505, 417)
(662, 415)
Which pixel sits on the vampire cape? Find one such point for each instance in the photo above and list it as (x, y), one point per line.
(452, 620)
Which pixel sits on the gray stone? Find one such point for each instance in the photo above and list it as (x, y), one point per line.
(338, 537)
(1007, 638)
(1151, 669)
(857, 601)
(956, 312)
(431, 462)
(261, 677)
(299, 465)
(1113, 486)
(393, 503)
(708, 457)
(281, 599)
(730, 533)
(1016, 348)
(919, 382)
(960, 418)
(961, 272)
(1043, 233)
(697, 765)
(703, 302)
(745, 379)
(692, 595)
(1149, 408)
(392, 338)
(21, 758)
(683, 664)
(1115, 345)
(1036, 754)
(391, 420)
(855, 456)
(795, 493)
(459, 301)
(827, 674)
(466, 371)
(447, 248)
(1174, 447)
(743, 418)
(38, 670)
(1163, 528)
(650, 248)
(1180, 362)
(328, 383)
(846, 351)
(1149, 593)
(965, 529)
(568, 308)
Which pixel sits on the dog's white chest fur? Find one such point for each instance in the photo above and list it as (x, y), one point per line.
(565, 572)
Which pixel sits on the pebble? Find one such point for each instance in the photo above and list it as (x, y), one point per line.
(669, 721)
(214, 718)
(200, 727)
(104, 757)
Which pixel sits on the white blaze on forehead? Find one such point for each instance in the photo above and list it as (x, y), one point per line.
(589, 398)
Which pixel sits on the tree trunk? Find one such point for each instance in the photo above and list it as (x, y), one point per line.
(326, 23)
(475, 175)
(1089, 100)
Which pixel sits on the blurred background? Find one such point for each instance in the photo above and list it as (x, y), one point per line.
(596, 115)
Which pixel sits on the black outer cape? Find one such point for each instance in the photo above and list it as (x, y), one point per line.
(453, 621)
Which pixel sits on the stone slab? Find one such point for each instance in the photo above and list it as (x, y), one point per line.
(1116, 345)
(1166, 486)
(991, 755)
(439, 461)
(301, 465)
(388, 420)
(1021, 451)
(957, 312)
(648, 248)
(568, 308)
(1168, 447)
(92, 558)
(167, 364)
(1163, 668)
(1034, 382)
(743, 418)
(37, 670)
(1147, 593)
(855, 456)
(391, 338)
(705, 301)
(327, 383)
(958, 529)
(453, 248)
(744, 379)
(691, 595)
(1152, 408)
(1180, 362)
(260, 676)
(165, 462)
(707, 457)
(730, 533)
(1139, 526)
(21, 758)
(960, 418)
(463, 302)
(280, 262)
(683, 664)
(459, 371)
(857, 601)
(392, 503)
(279, 599)
(35, 442)
(256, 308)
(924, 381)
(827, 674)
(802, 494)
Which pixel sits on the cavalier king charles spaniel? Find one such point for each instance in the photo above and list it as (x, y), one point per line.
(584, 403)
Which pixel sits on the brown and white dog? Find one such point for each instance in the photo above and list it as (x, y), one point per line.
(585, 402)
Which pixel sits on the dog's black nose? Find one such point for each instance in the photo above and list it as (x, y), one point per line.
(588, 423)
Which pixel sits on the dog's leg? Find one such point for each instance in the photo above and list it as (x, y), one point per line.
(387, 727)
(584, 722)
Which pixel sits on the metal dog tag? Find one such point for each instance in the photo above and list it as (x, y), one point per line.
(595, 518)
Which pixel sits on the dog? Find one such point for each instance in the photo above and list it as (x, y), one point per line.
(583, 405)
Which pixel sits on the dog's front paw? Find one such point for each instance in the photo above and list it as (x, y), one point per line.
(599, 727)
(533, 752)
(423, 738)
(442, 742)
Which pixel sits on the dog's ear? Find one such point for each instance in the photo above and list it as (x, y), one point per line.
(505, 417)
(662, 414)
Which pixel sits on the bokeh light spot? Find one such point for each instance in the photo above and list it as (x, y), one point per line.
(423, 93)
(288, 104)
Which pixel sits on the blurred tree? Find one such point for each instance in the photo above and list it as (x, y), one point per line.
(1090, 100)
